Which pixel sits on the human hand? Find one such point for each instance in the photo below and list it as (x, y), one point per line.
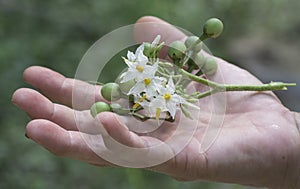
(258, 143)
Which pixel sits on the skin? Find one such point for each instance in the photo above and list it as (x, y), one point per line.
(258, 145)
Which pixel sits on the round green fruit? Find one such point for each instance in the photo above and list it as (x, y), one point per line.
(190, 41)
(126, 86)
(210, 67)
(99, 107)
(176, 50)
(199, 60)
(111, 91)
(213, 28)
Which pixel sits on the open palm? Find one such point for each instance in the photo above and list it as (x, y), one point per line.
(257, 143)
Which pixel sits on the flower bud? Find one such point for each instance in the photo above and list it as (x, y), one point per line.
(191, 40)
(176, 50)
(147, 49)
(213, 28)
(99, 107)
(111, 91)
(210, 67)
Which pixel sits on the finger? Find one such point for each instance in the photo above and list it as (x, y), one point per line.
(63, 143)
(38, 106)
(56, 87)
(130, 150)
(119, 131)
(148, 27)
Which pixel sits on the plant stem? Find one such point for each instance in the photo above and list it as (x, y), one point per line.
(205, 94)
(203, 37)
(216, 87)
(186, 58)
(199, 79)
(272, 86)
(143, 117)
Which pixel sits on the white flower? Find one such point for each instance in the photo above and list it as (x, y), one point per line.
(148, 85)
(137, 66)
(171, 99)
(138, 56)
(156, 106)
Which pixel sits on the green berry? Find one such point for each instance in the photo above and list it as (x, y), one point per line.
(210, 67)
(99, 107)
(191, 40)
(213, 27)
(199, 60)
(111, 91)
(176, 50)
(125, 86)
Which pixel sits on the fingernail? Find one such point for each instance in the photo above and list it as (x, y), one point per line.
(13, 102)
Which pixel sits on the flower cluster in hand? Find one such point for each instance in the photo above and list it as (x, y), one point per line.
(156, 89)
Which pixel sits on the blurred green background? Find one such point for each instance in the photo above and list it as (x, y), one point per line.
(260, 35)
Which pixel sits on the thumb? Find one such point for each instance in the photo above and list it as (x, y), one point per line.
(148, 27)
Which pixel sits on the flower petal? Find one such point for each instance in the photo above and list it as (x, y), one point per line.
(140, 57)
(131, 56)
(155, 41)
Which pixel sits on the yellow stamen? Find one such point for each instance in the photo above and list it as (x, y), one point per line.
(137, 104)
(158, 111)
(147, 81)
(139, 68)
(167, 96)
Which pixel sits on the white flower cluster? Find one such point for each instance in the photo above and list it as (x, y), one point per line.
(154, 93)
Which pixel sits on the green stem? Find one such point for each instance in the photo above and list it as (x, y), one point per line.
(199, 79)
(203, 37)
(216, 87)
(144, 117)
(273, 86)
(205, 94)
(167, 75)
(165, 64)
(186, 58)
(163, 74)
